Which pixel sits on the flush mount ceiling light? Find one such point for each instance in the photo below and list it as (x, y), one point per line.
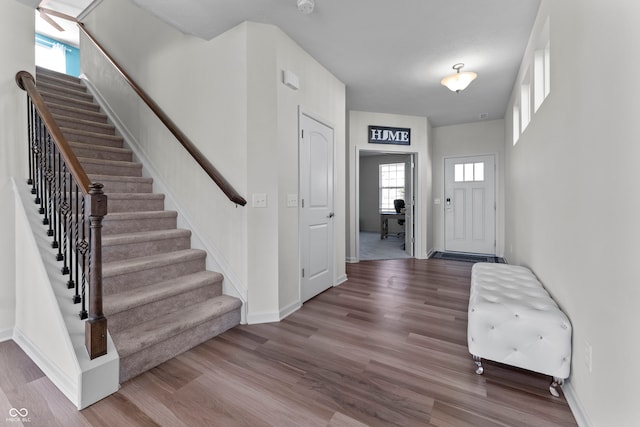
(306, 6)
(460, 80)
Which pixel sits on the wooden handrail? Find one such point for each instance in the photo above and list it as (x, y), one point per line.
(27, 83)
(197, 155)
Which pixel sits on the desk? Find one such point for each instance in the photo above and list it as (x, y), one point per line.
(384, 222)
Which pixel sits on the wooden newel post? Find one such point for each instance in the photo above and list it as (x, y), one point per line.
(95, 332)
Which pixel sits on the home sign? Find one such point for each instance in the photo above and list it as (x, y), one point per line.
(389, 135)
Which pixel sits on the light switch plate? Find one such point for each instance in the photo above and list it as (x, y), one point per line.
(292, 200)
(259, 200)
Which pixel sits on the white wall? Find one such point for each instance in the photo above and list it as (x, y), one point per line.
(226, 95)
(573, 199)
(17, 29)
(468, 139)
(420, 144)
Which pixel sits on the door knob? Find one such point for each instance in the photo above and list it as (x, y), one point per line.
(331, 214)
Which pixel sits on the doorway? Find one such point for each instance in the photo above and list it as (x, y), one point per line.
(317, 239)
(385, 205)
(469, 204)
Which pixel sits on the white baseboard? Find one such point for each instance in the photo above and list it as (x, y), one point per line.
(68, 386)
(264, 317)
(291, 308)
(575, 405)
(340, 280)
(6, 334)
(352, 260)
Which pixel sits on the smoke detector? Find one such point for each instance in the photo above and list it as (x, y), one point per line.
(306, 6)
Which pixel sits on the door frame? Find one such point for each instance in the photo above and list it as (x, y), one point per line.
(303, 112)
(417, 193)
(496, 187)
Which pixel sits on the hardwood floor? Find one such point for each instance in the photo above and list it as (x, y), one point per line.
(388, 347)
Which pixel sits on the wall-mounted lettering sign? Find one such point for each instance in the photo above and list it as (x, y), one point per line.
(389, 135)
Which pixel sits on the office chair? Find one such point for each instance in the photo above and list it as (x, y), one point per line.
(399, 205)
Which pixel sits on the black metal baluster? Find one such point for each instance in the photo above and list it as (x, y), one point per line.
(84, 248)
(64, 212)
(30, 140)
(76, 283)
(48, 174)
(37, 152)
(57, 202)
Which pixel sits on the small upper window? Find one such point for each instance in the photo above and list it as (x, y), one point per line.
(468, 172)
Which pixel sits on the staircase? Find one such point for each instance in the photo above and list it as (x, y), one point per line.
(159, 298)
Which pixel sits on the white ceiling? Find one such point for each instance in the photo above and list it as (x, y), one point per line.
(391, 54)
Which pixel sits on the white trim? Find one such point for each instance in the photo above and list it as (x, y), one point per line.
(575, 405)
(352, 260)
(496, 171)
(340, 280)
(215, 261)
(6, 334)
(264, 317)
(291, 308)
(87, 10)
(68, 386)
(327, 123)
(417, 198)
(430, 253)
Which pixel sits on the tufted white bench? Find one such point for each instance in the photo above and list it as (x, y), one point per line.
(513, 320)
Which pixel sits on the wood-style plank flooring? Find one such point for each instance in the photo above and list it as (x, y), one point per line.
(388, 347)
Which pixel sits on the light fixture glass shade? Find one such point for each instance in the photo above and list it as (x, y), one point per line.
(459, 81)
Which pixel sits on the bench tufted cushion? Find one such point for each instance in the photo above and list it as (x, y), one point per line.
(513, 320)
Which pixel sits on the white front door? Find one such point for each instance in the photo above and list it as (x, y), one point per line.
(316, 204)
(469, 204)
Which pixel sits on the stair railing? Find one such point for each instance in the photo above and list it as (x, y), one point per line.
(197, 155)
(72, 209)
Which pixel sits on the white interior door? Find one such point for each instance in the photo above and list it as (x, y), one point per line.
(469, 204)
(316, 207)
(409, 203)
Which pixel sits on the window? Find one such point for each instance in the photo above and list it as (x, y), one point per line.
(542, 68)
(516, 123)
(468, 172)
(391, 185)
(525, 101)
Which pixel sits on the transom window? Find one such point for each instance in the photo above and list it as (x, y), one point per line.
(468, 172)
(391, 185)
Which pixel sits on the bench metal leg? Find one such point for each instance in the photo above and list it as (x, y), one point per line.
(553, 388)
(478, 362)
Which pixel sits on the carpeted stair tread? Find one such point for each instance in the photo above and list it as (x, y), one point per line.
(128, 222)
(123, 184)
(128, 300)
(133, 202)
(105, 167)
(106, 150)
(77, 92)
(143, 263)
(116, 247)
(55, 74)
(78, 133)
(71, 111)
(154, 331)
(64, 99)
(128, 238)
(97, 126)
(53, 82)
